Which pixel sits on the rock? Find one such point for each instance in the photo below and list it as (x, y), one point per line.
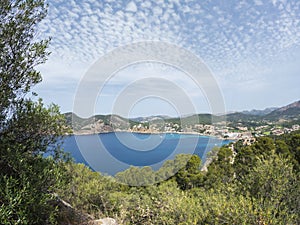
(69, 216)
(105, 221)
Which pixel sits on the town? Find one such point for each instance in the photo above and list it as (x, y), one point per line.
(220, 129)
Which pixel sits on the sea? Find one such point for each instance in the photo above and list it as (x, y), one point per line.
(110, 153)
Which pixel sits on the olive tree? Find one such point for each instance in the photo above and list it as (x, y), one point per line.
(28, 129)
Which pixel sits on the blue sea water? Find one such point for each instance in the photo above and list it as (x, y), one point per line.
(110, 153)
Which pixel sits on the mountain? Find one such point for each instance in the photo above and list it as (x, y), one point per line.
(97, 123)
(150, 118)
(289, 112)
(241, 117)
(108, 123)
(256, 112)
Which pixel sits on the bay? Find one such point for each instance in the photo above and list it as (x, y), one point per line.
(113, 152)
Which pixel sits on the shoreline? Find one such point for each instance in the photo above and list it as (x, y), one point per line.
(149, 133)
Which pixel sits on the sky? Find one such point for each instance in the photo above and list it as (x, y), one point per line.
(250, 47)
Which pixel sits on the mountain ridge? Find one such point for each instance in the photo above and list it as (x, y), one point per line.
(108, 123)
(259, 112)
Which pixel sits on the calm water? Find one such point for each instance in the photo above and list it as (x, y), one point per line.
(113, 152)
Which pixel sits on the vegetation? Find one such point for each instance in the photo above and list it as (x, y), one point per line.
(28, 130)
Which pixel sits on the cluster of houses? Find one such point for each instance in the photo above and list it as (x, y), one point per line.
(220, 129)
(284, 130)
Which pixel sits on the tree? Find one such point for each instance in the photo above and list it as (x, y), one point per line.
(190, 176)
(171, 167)
(220, 170)
(20, 53)
(282, 148)
(294, 144)
(273, 187)
(264, 146)
(135, 176)
(28, 130)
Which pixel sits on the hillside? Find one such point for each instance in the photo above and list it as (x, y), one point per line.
(289, 112)
(108, 123)
(256, 112)
(97, 123)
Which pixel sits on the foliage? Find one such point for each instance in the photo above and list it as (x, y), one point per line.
(25, 173)
(20, 53)
(185, 169)
(135, 176)
(190, 176)
(88, 190)
(28, 130)
(26, 196)
(220, 171)
(274, 188)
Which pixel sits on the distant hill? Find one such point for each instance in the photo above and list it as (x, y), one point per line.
(256, 112)
(289, 112)
(97, 123)
(107, 123)
(240, 117)
(201, 118)
(150, 118)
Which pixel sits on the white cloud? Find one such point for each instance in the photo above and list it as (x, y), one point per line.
(274, 2)
(237, 41)
(131, 7)
(258, 2)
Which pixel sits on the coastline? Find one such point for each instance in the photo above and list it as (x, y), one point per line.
(149, 133)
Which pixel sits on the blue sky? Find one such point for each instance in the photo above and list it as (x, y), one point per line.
(251, 47)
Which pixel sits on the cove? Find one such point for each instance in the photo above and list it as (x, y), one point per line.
(113, 152)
